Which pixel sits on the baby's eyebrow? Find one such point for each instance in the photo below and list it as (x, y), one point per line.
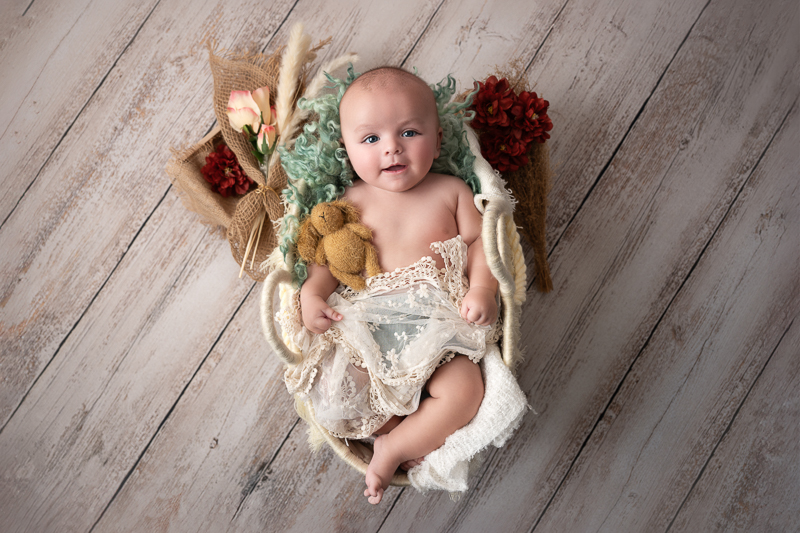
(365, 127)
(404, 124)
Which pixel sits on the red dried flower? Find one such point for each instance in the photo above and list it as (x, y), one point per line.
(530, 116)
(503, 151)
(507, 123)
(494, 98)
(224, 173)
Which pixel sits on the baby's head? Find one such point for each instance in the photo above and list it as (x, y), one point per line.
(390, 128)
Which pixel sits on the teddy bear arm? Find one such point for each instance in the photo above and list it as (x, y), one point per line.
(373, 266)
(320, 257)
(353, 280)
(307, 241)
(361, 230)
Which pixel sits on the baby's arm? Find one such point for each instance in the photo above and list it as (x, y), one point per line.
(479, 305)
(320, 284)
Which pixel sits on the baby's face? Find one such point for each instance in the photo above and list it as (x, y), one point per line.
(391, 134)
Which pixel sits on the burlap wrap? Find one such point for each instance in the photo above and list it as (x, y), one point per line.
(240, 216)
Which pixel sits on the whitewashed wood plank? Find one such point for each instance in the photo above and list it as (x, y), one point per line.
(307, 492)
(218, 442)
(470, 40)
(77, 220)
(51, 61)
(683, 391)
(628, 250)
(12, 14)
(380, 33)
(752, 482)
(597, 68)
(90, 415)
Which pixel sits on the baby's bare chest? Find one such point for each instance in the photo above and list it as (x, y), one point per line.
(404, 229)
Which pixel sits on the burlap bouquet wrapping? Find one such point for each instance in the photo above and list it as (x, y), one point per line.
(183, 170)
(240, 216)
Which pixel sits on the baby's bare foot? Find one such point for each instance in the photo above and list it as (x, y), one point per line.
(380, 470)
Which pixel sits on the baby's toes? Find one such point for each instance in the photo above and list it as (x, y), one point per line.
(374, 500)
(408, 465)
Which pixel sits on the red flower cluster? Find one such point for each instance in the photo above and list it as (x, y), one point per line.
(224, 173)
(507, 123)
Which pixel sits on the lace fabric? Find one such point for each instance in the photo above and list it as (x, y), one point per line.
(373, 363)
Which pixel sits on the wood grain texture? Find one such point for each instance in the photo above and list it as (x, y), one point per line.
(44, 49)
(470, 40)
(751, 482)
(683, 391)
(107, 176)
(598, 67)
(93, 411)
(219, 442)
(310, 492)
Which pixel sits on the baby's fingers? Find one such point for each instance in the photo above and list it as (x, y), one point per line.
(469, 313)
(331, 314)
(476, 315)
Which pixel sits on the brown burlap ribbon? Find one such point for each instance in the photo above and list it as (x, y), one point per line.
(251, 233)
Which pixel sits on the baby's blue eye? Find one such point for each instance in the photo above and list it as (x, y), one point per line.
(371, 139)
(409, 133)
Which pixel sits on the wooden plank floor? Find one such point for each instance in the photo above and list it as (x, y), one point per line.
(138, 393)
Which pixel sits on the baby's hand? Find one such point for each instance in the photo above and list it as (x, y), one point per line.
(479, 306)
(317, 314)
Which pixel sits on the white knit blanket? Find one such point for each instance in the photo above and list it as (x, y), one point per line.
(499, 415)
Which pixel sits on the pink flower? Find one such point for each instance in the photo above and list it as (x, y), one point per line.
(266, 138)
(243, 111)
(261, 98)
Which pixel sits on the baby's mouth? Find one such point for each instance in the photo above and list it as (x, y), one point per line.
(395, 168)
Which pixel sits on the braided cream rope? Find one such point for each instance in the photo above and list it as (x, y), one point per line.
(502, 247)
(286, 355)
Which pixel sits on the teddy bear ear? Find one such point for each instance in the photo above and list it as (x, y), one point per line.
(350, 212)
(307, 240)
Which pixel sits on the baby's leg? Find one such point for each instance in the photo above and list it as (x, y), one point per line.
(456, 390)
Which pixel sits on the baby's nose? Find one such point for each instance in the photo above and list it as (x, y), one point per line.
(393, 147)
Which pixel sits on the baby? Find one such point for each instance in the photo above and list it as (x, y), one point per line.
(391, 132)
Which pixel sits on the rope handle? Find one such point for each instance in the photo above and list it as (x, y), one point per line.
(499, 257)
(275, 340)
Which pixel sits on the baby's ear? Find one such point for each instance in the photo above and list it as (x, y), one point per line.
(439, 142)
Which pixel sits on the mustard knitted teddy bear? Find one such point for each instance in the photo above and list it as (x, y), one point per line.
(332, 235)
